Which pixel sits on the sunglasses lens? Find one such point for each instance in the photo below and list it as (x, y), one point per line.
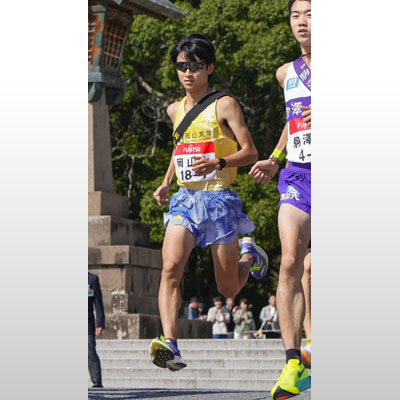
(182, 66)
(192, 65)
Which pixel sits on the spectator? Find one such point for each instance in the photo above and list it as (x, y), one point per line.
(243, 320)
(202, 312)
(95, 330)
(193, 312)
(219, 317)
(231, 308)
(269, 316)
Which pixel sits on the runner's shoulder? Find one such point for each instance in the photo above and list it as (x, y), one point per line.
(172, 110)
(281, 73)
(226, 103)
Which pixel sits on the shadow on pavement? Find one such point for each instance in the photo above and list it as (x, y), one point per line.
(181, 394)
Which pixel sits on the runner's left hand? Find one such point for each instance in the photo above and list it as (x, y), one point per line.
(306, 114)
(203, 166)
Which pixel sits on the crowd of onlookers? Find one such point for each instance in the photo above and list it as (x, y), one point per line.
(237, 321)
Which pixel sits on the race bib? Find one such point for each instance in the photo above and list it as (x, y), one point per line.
(300, 138)
(184, 159)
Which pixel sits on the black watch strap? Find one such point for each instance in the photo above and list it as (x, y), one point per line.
(222, 163)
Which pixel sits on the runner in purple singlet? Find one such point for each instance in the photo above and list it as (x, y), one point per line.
(294, 218)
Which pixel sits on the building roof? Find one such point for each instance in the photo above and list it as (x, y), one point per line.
(156, 8)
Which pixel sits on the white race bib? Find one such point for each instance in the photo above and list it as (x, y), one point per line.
(183, 160)
(299, 141)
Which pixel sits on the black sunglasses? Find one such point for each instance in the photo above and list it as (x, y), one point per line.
(192, 65)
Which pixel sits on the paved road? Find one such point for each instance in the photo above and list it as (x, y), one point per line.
(181, 394)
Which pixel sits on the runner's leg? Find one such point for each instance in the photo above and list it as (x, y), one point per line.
(306, 282)
(295, 231)
(230, 274)
(177, 246)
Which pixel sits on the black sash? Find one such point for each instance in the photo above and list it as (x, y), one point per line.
(194, 112)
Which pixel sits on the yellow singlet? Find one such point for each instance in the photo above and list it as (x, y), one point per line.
(203, 138)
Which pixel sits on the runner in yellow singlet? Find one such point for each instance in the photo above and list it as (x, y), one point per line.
(204, 211)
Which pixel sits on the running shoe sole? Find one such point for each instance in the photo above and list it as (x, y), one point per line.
(160, 354)
(282, 394)
(175, 366)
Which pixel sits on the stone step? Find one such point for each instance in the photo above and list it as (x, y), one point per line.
(232, 363)
(190, 383)
(194, 343)
(212, 364)
(210, 353)
(190, 372)
(108, 230)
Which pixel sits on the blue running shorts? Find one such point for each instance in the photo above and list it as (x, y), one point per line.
(211, 216)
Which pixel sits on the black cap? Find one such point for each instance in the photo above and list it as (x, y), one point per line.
(194, 299)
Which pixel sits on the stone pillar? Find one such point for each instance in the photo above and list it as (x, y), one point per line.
(129, 271)
(102, 200)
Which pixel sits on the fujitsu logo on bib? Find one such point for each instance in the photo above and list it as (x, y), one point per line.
(191, 149)
(195, 148)
(297, 125)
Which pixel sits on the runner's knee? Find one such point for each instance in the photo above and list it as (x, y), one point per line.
(171, 272)
(290, 266)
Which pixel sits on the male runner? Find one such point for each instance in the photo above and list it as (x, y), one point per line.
(294, 218)
(204, 211)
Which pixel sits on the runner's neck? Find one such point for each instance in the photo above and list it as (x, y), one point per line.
(306, 52)
(193, 98)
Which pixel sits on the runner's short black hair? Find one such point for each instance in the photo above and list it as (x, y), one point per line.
(194, 45)
(291, 4)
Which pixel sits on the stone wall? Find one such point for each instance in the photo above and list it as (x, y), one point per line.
(143, 326)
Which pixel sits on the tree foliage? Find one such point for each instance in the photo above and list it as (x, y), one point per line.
(252, 39)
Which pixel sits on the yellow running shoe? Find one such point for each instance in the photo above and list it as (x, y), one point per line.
(306, 354)
(293, 380)
(165, 354)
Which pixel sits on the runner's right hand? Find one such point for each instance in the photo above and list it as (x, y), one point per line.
(161, 195)
(263, 171)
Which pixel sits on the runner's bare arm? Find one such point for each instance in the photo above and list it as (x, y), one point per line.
(161, 193)
(264, 170)
(229, 110)
(281, 74)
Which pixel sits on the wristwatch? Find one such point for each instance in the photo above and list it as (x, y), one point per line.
(221, 163)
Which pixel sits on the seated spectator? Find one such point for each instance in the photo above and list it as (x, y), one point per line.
(243, 320)
(231, 308)
(269, 316)
(193, 312)
(202, 312)
(219, 317)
